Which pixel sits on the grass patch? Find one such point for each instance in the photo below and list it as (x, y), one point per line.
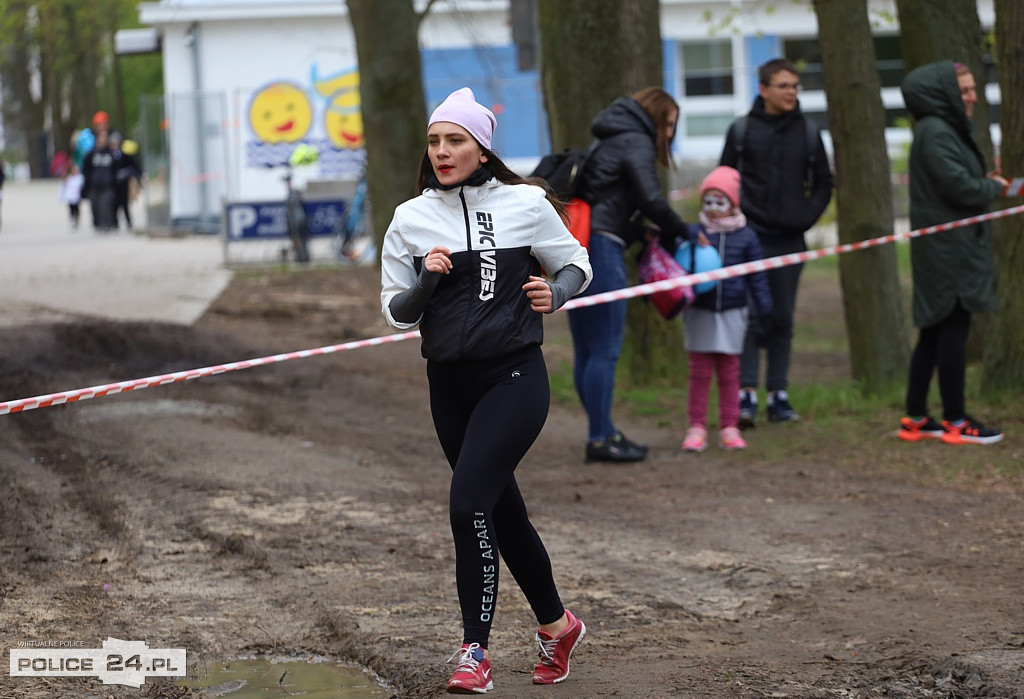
(842, 427)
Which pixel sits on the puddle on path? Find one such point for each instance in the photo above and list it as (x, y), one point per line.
(312, 678)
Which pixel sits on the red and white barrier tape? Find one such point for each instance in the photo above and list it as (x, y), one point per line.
(17, 406)
(23, 404)
(776, 262)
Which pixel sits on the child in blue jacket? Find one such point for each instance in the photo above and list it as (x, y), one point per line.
(716, 323)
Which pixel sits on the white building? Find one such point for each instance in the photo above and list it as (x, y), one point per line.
(247, 80)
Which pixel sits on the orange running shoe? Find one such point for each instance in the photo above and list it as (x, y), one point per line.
(969, 431)
(912, 430)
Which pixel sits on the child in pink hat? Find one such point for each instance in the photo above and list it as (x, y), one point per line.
(716, 323)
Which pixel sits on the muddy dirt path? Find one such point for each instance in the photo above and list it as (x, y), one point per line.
(301, 508)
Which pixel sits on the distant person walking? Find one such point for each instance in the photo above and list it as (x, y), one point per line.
(126, 176)
(954, 271)
(71, 192)
(99, 168)
(786, 184)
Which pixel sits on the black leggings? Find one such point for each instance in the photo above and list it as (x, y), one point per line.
(487, 415)
(942, 346)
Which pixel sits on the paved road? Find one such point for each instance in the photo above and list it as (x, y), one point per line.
(49, 271)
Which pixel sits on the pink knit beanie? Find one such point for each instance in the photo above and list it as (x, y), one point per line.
(461, 108)
(726, 180)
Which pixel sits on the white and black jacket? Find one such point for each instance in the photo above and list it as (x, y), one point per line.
(499, 235)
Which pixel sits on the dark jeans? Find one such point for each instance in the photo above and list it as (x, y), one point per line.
(487, 415)
(942, 346)
(778, 341)
(597, 334)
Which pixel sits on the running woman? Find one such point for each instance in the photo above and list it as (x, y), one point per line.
(463, 261)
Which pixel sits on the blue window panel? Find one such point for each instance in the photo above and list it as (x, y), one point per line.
(513, 95)
(669, 66)
(760, 50)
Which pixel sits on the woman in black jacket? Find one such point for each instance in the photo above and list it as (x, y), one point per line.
(621, 184)
(99, 168)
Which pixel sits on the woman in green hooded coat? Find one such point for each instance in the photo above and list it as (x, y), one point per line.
(954, 271)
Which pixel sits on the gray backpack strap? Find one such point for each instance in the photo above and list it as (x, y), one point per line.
(812, 134)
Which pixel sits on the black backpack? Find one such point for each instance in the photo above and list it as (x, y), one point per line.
(563, 171)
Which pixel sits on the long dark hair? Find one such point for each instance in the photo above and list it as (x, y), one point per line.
(502, 172)
(660, 106)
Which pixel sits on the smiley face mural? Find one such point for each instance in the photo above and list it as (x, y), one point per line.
(343, 120)
(284, 114)
(280, 112)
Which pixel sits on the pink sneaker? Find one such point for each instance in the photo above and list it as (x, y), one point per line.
(729, 438)
(473, 674)
(696, 438)
(555, 652)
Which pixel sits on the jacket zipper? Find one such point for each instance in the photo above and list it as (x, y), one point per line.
(719, 290)
(469, 248)
(465, 215)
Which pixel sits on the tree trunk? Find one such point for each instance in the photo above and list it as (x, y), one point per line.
(63, 50)
(593, 52)
(83, 72)
(875, 321)
(1003, 366)
(391, 91)
(23, 110)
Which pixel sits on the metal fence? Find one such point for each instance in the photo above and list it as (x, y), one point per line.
(189, 178)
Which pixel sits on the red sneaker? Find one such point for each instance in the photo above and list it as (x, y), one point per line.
(473, 674)
(555, 652)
